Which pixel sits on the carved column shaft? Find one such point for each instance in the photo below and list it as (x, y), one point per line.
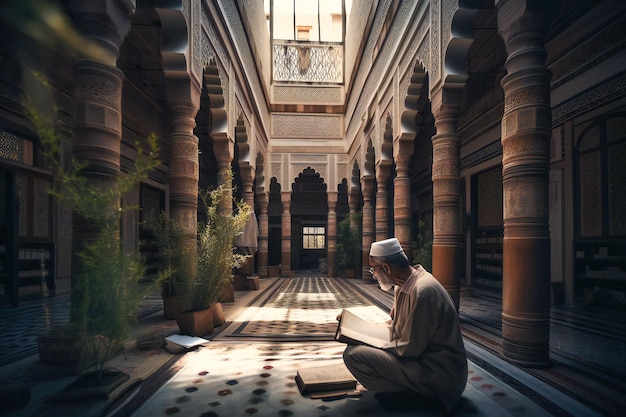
(97, 110)
(526, 132)
(402, 196)
(184, 174)
(332, 233)
(223, 148)
(447, 200)
(382, 201)
(367, 186)
(262, 257)
(353, 203)
(285, 269)
(247, 179)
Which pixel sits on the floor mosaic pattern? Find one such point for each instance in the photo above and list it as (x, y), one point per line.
(257, 379)
(303, 308)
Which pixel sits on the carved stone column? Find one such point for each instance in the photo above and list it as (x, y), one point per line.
(402, 195)
(383, 170)
(447, 200)
(332, 233)
(247, 178)
(184, 174)
(526, 132)
(353, 202)
(285, 258)
(224, 150)
(97, 109)
(367, 187)
(262, 257)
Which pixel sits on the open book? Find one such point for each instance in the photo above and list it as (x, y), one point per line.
(325, 379)
(354, 328)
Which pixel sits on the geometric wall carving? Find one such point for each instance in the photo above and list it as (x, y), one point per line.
(306, 126)
(307, 95)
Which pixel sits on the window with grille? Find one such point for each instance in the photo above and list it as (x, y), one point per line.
(313, 237)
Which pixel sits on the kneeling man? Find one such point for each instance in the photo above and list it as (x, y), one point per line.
(424, 365)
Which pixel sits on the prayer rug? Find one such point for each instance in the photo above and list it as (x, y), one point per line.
(226, 379)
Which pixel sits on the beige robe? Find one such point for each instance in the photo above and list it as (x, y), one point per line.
(426, 354)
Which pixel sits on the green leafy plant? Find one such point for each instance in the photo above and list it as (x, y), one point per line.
(216, 258)
(106, 293)
(348, 239)
(422, 249)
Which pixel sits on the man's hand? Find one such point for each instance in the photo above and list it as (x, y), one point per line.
(339, 316)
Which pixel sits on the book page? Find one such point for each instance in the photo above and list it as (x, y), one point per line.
(352, 326)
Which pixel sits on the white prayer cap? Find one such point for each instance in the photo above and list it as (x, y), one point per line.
(385, 247)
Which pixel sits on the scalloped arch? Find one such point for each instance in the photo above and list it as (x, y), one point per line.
(174, 36)
(217, 103)
(411, 103)
(462, 36)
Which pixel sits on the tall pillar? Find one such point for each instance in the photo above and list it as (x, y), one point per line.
(526, 132)
(383, 170)
(447, 198)
(367, 187)
(262, 257)
(332, 233)
(285, 258)
(353, 202)
(224, 150)
(97, 110)
(184, 174)
(247, 179)
(402, 195)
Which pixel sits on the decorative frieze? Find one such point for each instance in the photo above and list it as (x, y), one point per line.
(306, 126)
(590, 99)
(307, 95)
(493, 150)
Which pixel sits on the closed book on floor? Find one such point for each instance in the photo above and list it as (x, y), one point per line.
(325, 378)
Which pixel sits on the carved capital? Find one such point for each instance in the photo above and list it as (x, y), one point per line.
(106, 23)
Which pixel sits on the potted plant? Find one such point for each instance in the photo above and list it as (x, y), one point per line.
(199, 288)
(423, 249)
(106, 289)
(164, 230)
(348, 244)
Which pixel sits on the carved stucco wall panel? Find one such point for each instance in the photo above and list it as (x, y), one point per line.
(306, 126)
(435, 55)
(307, 95)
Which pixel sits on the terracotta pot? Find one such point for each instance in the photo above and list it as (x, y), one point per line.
(170, 307)
(218, 314)
(228, 294)
(195, 323)
(350, 273)
(59, 346)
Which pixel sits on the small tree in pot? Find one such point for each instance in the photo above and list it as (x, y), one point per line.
(348, 239)
(106, 292)
(198, 290)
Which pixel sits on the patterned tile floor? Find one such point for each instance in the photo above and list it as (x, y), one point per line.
(256, 378)
(291, 321)
(298, 309)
